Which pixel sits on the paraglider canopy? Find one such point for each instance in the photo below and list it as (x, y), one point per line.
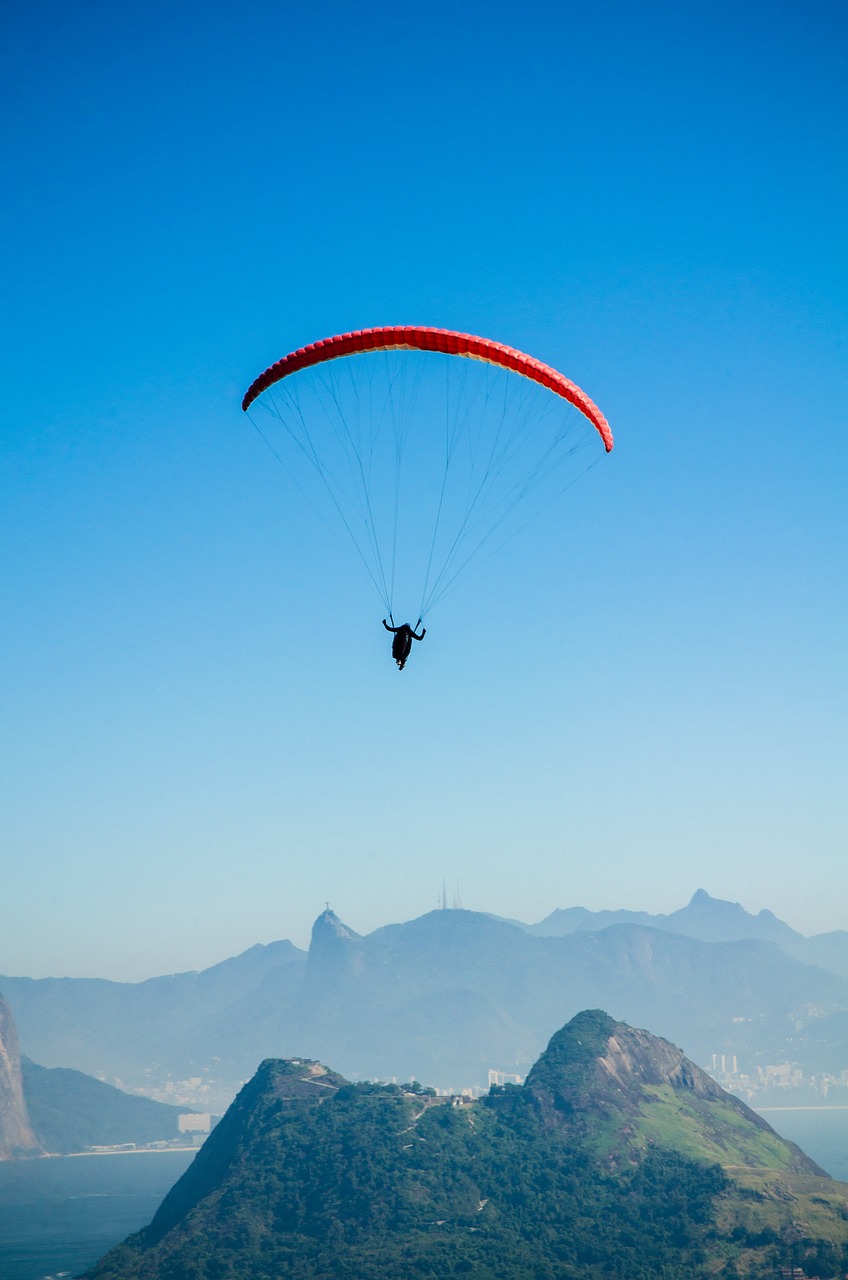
(424, 449)
(424, 338)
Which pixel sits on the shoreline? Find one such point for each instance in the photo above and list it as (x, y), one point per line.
(117, 1151)
(814, 1107)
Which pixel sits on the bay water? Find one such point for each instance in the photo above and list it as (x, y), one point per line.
(820, 1132)
(59, 1215)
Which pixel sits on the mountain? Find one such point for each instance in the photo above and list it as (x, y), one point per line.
(617, 1157)
(150, 1034)
(711, 920)
(16, 1135)
(61, 1111)
(70, 1111)
(453, 993)
(445, 997)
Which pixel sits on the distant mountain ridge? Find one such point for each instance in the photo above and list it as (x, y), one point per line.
(172, 1025)
(617, 1157)
(484, 988)
(711, 920)
(71, 1112)
(448, 996)
(57, 1111)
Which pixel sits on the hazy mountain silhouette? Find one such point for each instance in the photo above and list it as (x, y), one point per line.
(712, 920)
(176, 1024)
(448, 996)
(70, 1111)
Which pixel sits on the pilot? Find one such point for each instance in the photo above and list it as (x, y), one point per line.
(402, 642)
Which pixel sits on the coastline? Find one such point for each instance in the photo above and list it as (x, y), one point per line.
(125, 1151)
(822, 1107)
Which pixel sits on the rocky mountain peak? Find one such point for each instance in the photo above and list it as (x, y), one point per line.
(327, 927)
(637, 1055)
(332, 949)
(595, 1059)
(594, 1055)
(598, 1070)
(718, 920)
(16, 1135)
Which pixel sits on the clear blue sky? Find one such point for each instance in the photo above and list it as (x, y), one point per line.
(201, 735)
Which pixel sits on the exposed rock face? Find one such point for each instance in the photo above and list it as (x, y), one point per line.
(330, 942)
(596, 1066)
(636, 1056)
(16, 1135)
(595, 1055)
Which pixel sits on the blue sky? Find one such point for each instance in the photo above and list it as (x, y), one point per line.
(201, 735)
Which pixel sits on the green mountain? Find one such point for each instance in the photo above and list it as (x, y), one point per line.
(70, 1111)
(617, 1158)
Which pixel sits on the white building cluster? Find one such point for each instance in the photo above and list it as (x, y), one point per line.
(763, 1082)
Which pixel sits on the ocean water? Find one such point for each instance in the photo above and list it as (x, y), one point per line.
(58, 1216)
(821, 1132)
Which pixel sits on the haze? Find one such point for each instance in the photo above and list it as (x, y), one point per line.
(203, 736)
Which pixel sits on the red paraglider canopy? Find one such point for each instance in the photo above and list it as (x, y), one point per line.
(425, 338)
